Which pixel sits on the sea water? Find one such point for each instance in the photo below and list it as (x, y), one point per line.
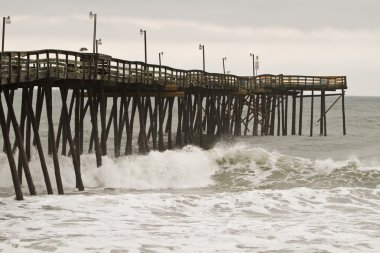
(246, 194)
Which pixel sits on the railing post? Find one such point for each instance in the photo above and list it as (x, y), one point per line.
(57, 67)
(76, 65)
(123, 72)
(166, 77)
(18, 66)
(37, 65)
(1, 68)
(9, 67)
(47, 64)
(27, 66)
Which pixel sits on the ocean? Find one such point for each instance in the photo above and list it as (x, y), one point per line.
(245, 194)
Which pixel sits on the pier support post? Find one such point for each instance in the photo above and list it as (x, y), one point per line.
(75, 157)
(272, 114)
(312, 113)
(22, 131)
(48, 96)
(278, 115)
(301, 112)
(20, 144)
(103, 112)
(160, 123)
(32, 120)
(94, 122)
(28, 94)
(323, 114)
(343, 113)
(179, 124)
(286, 115)
(248, 114)
(294, 104)
(199, 118)
(256, 115)
(8, 148)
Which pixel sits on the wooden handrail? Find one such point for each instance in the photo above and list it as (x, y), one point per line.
(52, 63)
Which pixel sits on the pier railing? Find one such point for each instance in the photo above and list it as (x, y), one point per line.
(19, 67)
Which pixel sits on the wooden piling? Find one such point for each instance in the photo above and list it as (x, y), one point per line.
(8, 148)
(103, 115)
(32, 119)
(20, 144)
(300, 114)
(74, 156)
(312, 113)
(48, 96)
(199, 116)
(294, 105)
(94, 122)
(29, 93)
(286, 115)
(179, 124)
(343, 113)
(273, 114)
(169, 122)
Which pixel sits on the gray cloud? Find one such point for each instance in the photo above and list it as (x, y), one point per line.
(295, 37)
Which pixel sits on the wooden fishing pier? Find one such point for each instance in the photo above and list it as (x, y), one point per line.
(138, 103)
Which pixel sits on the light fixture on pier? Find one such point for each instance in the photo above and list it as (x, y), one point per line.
(202, 47)
(160, 54)
(143, 32)
(224, 67)
(6, 20)
(257, 64)
(93, 15)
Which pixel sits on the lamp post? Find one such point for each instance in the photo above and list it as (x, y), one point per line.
(143, 32)
(202, 47)
(224, 67)
(93, 15)
(253, 64)
(6, 20)
(98, 43)
(159, 57)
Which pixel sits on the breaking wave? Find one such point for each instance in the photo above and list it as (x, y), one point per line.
(225, 167)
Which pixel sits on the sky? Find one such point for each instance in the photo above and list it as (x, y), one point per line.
(299, 37)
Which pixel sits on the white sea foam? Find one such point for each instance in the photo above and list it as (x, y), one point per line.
(190, 167)
(250, 200)
(296, 220)
(234, 166)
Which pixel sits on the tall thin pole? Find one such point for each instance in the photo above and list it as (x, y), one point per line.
(159, 57)
(94, 38)
(146, 60)
(224, 67)
(202, 47)
(343, 114)
(253, 64)
(2, 41)
(256, 66)
(204, 64)
(96, 46)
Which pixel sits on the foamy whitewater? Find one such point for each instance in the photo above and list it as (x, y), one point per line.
(247, 194)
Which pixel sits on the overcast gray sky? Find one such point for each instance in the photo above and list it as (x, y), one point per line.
(306, 37)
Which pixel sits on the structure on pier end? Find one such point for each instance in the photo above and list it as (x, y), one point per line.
(111, 94)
